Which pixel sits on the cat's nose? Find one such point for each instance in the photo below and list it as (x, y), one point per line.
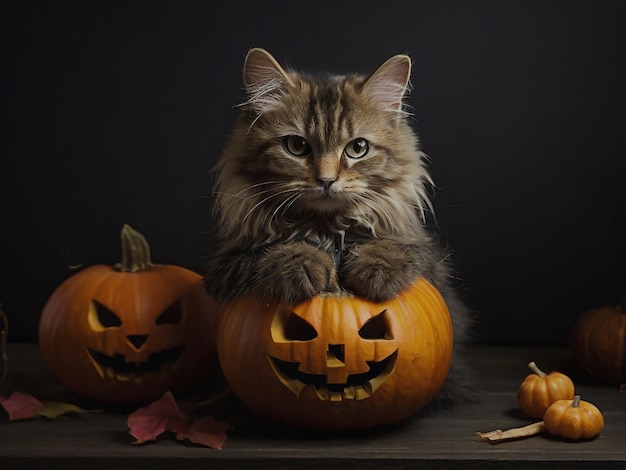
(326, 181)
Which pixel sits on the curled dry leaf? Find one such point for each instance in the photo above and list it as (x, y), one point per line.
(515, 433)
(54, 409)
(20, 405)
(207, 432)
(149, 422)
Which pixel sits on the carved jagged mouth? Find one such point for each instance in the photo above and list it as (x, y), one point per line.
(118, 368)
(357, 386)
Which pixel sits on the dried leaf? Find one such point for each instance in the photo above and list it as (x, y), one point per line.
(207, 432)
(24, 406)
(21, 406)
(515, 433)
(54, 409)
(149, 422)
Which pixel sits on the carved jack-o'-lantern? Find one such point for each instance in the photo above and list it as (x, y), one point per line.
(129, 333)
(337, 362)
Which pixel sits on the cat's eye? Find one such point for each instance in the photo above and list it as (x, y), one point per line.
(296, 145)
(358, 148)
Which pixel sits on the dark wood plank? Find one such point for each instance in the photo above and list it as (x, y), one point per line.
(438, 440)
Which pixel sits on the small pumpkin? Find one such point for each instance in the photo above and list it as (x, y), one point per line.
(571, 419)
(599, 342)
(574, 419)
(539, 390)
(337, 362)
(128, 333)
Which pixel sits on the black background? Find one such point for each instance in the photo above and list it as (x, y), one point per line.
(114, 112)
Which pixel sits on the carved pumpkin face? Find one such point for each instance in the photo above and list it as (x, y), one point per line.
(337, 362)
(122, 337)
(349, 360)
(129, 333)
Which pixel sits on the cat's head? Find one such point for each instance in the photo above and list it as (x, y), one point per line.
(332, 148)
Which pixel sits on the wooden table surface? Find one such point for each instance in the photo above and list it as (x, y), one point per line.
(443, 440)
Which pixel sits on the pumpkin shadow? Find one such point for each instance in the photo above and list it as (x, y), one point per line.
(249, 424)
(121, 437)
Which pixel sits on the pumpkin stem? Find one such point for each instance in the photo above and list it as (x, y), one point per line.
(576, 402)
(135, 251)
(532, 366)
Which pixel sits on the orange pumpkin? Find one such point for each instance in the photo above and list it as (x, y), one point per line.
(574, 419)
(599, 342)
(337, 362)
(539, 390)
(129, 333)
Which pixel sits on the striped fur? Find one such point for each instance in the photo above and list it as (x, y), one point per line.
(290, 227)
(265, 197)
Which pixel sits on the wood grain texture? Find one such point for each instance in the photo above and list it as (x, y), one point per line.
(444, 439)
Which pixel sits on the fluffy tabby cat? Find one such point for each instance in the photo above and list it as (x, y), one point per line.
(322, 187)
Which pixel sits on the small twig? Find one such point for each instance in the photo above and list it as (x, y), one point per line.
(515, 433)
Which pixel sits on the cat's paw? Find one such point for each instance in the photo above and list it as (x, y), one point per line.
(294, 272)
(378, 270)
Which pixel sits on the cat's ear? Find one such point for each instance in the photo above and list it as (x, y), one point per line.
(261, 69)
(389, 82)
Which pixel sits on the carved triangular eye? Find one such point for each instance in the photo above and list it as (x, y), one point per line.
(102, 316)
(298, 329)
(172, 315)
(375, 327)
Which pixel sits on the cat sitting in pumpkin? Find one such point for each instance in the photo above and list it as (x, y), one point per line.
(322, 187)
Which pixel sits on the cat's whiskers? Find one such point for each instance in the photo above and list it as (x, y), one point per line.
(377, 205)
(263, 201)
(240, 194)
(285, 205)
(292, 201)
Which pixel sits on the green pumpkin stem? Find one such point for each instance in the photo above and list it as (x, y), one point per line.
(135, 251)
(532, 366)
(576, 402)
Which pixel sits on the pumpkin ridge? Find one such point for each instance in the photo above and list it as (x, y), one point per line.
(124, 356)
(418, 339)
(599, 342)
